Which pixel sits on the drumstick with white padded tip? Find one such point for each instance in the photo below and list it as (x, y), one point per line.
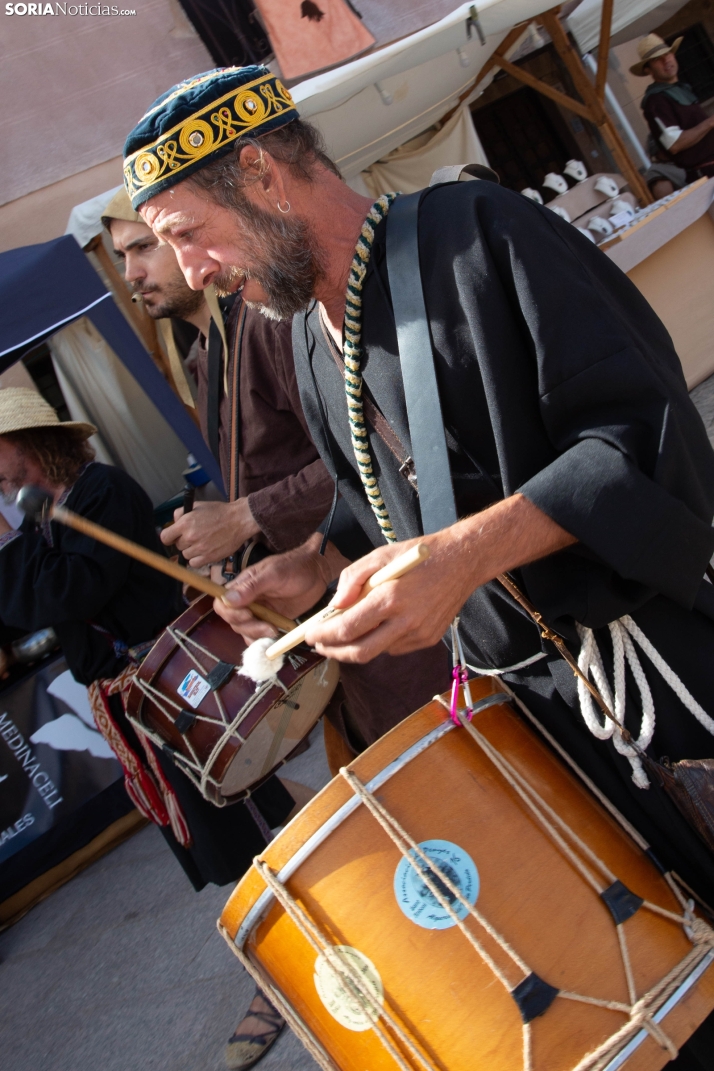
(37, 503)
(263, 659)
(398, 566)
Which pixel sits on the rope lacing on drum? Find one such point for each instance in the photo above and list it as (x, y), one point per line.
(183, 640)
(197, 772)
(189, 766)
(640, 1010)
(623, 632)
(162, 701)
(276, 998)
(346, 974)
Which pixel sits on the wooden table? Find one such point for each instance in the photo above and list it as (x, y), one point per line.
(669, 256)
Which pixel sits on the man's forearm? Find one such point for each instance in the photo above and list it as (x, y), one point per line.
(504, 536)
(693, 136)
(413, 613)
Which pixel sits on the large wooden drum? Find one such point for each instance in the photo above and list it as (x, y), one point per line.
(460, 902)
(226, 733)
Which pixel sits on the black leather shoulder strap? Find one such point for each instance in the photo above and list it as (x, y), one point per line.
(421, 393)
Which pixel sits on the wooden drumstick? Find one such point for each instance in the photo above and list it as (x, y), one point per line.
(392, 571)
(38, 503)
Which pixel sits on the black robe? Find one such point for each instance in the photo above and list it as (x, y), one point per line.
(96, 599)
(101, 602)
(558, 381)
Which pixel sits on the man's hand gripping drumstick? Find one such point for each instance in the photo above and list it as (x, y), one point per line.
(294, 581)
(37, 503)
(264, 657)
(399, 566)
(395, 618)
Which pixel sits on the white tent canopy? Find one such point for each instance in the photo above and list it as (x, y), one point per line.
(630, 18)
(85, 220)
(376, 103)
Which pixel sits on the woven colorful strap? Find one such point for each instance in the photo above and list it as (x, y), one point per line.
(146, 785)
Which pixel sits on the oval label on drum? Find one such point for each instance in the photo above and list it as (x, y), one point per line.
(416, 899)
(342, 1001)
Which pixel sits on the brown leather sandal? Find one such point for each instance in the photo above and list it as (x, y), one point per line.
(244, 1050)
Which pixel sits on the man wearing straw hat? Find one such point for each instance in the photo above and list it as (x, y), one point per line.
(676, 119)
(53, 576)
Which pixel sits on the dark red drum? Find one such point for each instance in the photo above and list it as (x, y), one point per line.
(225, 732)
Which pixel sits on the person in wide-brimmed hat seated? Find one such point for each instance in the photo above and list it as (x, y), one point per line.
(50, 575)
(106, 609)
(676, 119)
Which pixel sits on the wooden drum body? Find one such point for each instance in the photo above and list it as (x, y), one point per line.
(504, 823)
(225, 732)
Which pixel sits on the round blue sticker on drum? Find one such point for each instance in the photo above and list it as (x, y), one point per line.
(415, 898)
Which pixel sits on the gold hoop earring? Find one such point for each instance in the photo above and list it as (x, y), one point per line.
(284, 210)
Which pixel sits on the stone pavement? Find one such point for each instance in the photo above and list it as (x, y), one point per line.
(703, 398)
(122, 969)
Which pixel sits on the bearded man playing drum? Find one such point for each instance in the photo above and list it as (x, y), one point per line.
(578, 461)
(280, 491)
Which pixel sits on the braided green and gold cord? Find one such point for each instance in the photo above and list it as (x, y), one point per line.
(353, 363)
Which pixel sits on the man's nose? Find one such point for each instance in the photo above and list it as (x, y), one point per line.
(198, 270)
(133, 270)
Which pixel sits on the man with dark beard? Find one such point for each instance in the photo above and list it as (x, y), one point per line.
(279, 489)
(578, 461)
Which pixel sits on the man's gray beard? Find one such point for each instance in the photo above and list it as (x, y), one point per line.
(9, 497)
(265, 310)
(225, 283)
(286, 263)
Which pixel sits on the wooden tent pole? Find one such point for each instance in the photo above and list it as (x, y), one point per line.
(598, 115)
(603, 51)
(592, 107)
(543, 88)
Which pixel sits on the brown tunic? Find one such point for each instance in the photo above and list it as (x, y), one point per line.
(288, 488)
(289, 493)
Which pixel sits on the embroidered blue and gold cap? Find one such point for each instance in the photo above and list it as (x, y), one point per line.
(197, 121)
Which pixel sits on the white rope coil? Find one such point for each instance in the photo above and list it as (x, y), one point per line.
(624, 634)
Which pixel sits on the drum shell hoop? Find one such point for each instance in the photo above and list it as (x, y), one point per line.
(282, 863)
(150, 719)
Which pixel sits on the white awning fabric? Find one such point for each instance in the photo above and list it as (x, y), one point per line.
(374, 104)
(639, 16)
